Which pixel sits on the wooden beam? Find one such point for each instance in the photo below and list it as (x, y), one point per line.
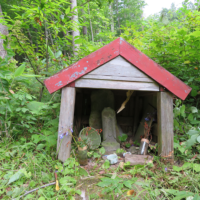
(165, 125)
(121, 78)
(120, 85)
(66, 122)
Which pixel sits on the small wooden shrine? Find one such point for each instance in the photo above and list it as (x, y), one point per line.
(118, 66)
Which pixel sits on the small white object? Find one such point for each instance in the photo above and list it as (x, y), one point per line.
(127, 153)
(113, 158)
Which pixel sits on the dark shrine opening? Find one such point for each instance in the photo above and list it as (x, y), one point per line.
(130, 120)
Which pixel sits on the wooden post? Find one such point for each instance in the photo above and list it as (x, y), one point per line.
(66, 122)
(165, 125)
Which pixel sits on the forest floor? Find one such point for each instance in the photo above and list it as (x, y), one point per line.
(25, 166)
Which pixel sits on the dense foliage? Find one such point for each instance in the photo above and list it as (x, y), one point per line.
(39, 44)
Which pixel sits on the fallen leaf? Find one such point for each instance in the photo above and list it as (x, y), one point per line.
(57, 185)
(102, 172)
(131, 192)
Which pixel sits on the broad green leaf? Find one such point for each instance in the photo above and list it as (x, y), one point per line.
(102, 150)
(4, 86)
(17, 191)
(196, 167)
(123, 137)
(127, 164)
(196, 197)
(193, 109)
(182, 194)
(176, 168)
(50, 51)
(106, 164)
(182, 110)
(24, 110)
(16, 176)
(192, 140)
(171, 191)
(35, 106)
(195, 33)
(190, 117)
(41, 198)
(40, 146)
(186, 166)
(78, 41)
(96, 155)
(198, 139)
(67, 180)
(176, 124)
(193, 132)
(187, 62)
(58, 54)
(195, 122)
(67, 10)
(82, 172)
(142, 183)
(194, 93)
(128, 184)
(36, 138)
(19, 71)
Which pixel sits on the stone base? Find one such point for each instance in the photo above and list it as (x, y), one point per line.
(110, 146)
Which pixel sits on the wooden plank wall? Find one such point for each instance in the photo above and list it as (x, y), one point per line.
(117, 74)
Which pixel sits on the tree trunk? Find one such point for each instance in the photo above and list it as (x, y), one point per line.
(111, 16)
(84, 30)
(84, 27)
(4, 31)
(118, 18)
(90, 24)
(75, 30)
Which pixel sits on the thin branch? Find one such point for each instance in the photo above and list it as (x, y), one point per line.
(28, 192)
(84, 3)
(29, 60)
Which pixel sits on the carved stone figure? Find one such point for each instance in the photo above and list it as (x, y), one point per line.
(109, 130)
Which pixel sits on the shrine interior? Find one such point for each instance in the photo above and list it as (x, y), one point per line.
(130, 120)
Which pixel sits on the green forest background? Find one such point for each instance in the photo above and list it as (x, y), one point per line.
(45, 36)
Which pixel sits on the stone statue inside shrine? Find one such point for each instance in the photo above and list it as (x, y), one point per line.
(110, 130)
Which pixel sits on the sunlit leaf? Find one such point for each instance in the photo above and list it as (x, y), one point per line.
(19, 71)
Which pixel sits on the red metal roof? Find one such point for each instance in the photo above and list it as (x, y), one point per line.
(107, 53)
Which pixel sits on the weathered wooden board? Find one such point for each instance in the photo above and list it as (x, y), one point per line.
(66, 122)
(121, 85)
(120, 78)
(138, 159)
(165, 124)
(118, 69)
